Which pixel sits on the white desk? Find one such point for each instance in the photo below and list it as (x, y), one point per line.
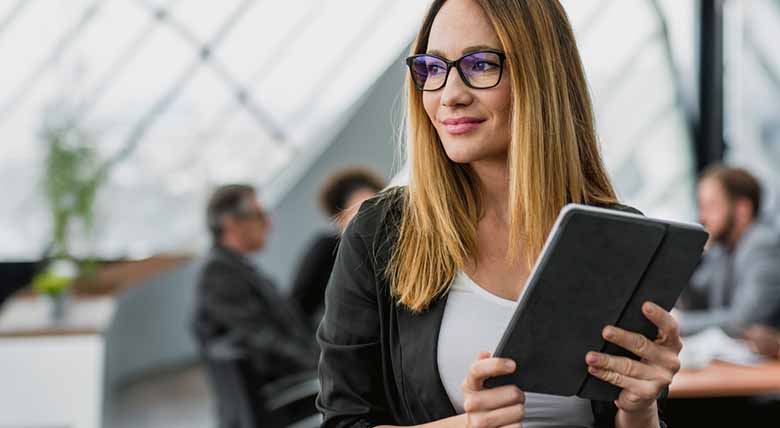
(53, 374)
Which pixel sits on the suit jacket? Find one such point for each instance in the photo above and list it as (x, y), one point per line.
(240, 315)
(378, 363)
(733, 290)
(311, 278)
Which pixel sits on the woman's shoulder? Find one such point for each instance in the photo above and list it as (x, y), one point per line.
(617, 206)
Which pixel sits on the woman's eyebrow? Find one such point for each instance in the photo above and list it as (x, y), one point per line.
(477, 48)
(465, 51)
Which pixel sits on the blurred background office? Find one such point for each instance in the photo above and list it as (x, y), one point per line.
(119, 118)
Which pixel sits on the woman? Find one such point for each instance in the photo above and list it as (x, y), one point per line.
(502, 137)
(340, 197)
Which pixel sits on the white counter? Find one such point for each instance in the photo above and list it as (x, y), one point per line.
(53, 373)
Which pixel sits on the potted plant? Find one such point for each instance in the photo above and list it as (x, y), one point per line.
(54, 283)
(72, 176)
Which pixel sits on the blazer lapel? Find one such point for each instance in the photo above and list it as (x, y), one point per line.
(419, 338)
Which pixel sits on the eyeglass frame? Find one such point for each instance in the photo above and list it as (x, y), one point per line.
(456, 64)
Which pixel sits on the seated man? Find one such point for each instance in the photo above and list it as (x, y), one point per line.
(738, 281)
(240, 316)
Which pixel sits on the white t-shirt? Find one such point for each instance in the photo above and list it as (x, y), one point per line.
(474, 320)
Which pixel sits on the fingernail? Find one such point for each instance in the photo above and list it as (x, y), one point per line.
(592, 358)
(509, 364)
(648, 308)
(609, 332)
(593, 370)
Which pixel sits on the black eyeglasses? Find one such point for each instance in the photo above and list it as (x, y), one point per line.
(478, 70)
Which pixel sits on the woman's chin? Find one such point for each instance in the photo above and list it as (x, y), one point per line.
(461, 159)
(460, 152)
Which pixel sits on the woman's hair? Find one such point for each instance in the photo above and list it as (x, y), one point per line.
(553, 155)
(337, 189)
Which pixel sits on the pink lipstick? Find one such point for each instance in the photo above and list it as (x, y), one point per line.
(461, 125)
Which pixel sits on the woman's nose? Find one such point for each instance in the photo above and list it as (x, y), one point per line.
(455, 92)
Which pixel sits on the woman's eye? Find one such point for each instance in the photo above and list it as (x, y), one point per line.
(483, 66)
(434, 69)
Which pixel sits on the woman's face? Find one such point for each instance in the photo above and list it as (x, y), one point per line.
(473, 124)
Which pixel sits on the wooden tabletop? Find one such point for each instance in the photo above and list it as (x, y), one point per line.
(91, 303)
(727, 380)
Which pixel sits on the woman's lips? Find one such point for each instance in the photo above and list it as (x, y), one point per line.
(462, 125)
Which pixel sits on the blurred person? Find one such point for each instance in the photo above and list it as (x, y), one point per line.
(240, 316)
(340, 197)
(737, 283)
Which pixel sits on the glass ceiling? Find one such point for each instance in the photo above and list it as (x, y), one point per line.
(636, 54)
(752, 97)
(179, 96)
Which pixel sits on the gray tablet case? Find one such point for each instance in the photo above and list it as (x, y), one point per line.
(597, 268)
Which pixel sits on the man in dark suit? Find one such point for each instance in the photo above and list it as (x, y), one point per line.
(241, 320)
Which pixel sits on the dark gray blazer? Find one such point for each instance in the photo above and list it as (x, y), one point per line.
(378, 362)
(240, 314)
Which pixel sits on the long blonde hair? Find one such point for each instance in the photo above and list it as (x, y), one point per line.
(553, 156)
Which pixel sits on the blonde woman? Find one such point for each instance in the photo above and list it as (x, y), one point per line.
(427, 276)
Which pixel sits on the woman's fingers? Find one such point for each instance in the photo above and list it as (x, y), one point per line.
(485, 368)
(642, 381)
(668, 328)
(638, 390)
(491, 408)
(496, 418)
(643, 347)
(627, 367)
(491, 399)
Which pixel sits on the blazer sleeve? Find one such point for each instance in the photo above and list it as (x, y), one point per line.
(350, 368)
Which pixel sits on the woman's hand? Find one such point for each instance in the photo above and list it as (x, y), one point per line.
(642, 381)
(502, 407)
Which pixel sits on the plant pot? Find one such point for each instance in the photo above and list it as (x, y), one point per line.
(58, 303)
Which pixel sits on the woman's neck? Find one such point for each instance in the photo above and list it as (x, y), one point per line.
(493, 176)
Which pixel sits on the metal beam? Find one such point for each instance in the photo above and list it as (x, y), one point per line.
(162, 104)
(325, 81)
(13, 14)
(683, 102)
(263, 117)
(710, 143)
(117, 68)
(48, 63)
(267, 65)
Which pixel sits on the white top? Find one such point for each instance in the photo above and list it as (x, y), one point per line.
(474, 320)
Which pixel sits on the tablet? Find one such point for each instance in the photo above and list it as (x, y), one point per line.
(597, 267)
